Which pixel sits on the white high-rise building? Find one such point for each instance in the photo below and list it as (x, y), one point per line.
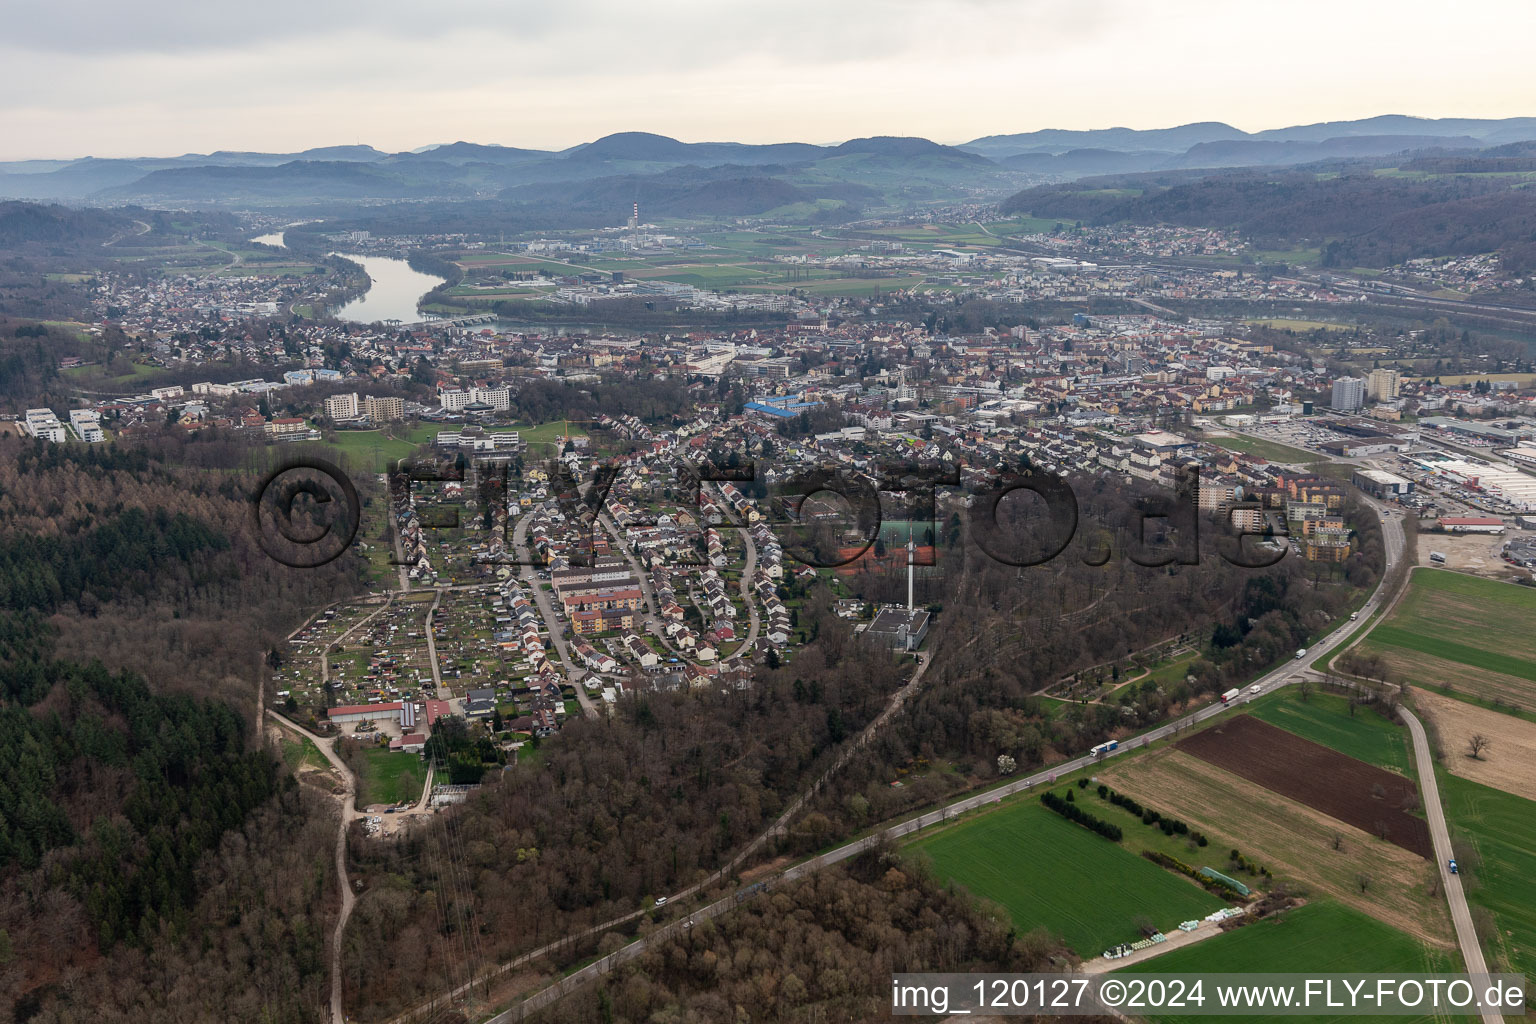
(1348, 394)
(453, 401)
(498, 398)
(42, 423)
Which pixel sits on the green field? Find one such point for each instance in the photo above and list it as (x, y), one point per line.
(369, 448)
(1449, 650)
(1470, 632)
(1324, 718)
(1271, 450)
(1320, 936)
(390, 778)
(1501, 879)
(1049, 873)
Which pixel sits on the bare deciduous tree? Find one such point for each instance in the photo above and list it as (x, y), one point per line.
(1477, 743)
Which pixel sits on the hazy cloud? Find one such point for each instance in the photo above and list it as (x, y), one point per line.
(108, 78)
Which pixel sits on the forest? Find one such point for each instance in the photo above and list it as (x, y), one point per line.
(823, 948)
(150, 851)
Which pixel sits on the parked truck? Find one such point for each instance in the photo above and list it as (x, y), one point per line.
(1230, 696)
(1438, 557)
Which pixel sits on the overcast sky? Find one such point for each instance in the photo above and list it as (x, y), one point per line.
(163, 77)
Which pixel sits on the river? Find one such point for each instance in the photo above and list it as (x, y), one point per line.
(393, 294)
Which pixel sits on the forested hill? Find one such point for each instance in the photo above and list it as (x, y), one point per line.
(150, 848)
(1357, 217)
(128, 789)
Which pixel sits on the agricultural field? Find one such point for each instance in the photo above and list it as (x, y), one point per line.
(1050, 873)
(1325, 718)
(1341, 787)
(1295, 842)
(1499, 832)
(1508, 763)
(1474, 634)
(1320, 936)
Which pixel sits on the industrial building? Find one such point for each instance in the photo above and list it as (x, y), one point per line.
(1379, 484)
(1471, 524)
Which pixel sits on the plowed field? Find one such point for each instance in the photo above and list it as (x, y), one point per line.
(1341, 787)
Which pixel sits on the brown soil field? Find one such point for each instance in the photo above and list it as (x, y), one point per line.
(1477, 553)
(1341, 787)
(1509, 763)
(1294, 841)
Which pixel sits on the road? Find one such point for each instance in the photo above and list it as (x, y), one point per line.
(1393, 540)
(573, 672)
(443, 693)
(1461, 914)
(576, 979)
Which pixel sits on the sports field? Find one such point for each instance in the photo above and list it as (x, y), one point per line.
(1049, 873)
(390, 778)
(1500, 877)
(1470, 632)
(1321, 936)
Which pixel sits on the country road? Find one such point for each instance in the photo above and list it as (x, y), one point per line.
(1461, 914)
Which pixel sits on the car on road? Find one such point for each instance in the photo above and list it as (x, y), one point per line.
(1255, 688)
(661, 901)
(1452, 866)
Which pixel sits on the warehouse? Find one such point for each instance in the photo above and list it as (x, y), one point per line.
(1379, 484)
(1471, 524)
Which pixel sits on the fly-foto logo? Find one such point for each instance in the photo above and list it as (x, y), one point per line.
(821, 515)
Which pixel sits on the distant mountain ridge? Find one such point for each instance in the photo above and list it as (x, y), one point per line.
(903, 170)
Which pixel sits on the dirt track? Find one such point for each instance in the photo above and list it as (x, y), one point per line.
(1352, 791)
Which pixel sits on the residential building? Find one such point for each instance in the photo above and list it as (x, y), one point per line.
(384, 410)
(42, 423)
(342, 407)
(1348, 394)
(1382, 385)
